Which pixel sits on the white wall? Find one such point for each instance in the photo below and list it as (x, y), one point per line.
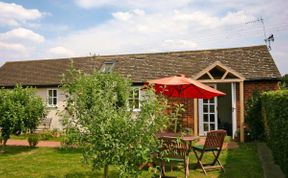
(54, 112)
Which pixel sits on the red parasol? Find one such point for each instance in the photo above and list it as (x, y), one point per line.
(183, 87)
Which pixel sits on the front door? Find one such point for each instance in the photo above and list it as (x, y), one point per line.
(208, 116)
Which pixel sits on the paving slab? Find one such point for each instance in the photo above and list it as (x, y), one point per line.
(270, 169)
(51, 144)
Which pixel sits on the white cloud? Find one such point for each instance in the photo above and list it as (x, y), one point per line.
(21, 35)
(137, 31)
(13, 47)
(13, 50)
(12, 14)
(94, 3)
(139, 12)
(60, 51)
(178, 44)
(203, 19)
(19, 43)
(124, 16)
(132, 4)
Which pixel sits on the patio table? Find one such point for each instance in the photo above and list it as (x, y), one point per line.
(182, 150)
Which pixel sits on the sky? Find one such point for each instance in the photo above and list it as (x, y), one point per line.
(45, 29)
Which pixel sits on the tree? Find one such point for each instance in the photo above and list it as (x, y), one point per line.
(20, 110)
(284, 82)
(102, 124)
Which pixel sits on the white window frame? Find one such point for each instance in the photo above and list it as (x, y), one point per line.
(201, 114)
(133, 99)
(57, 94)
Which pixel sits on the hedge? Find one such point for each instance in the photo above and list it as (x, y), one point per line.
(254, 117)
(275, 119)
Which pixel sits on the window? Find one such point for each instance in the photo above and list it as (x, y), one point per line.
(107, 67)
(52, 97)
(134, 99)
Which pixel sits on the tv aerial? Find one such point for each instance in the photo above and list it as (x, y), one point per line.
(267, 40)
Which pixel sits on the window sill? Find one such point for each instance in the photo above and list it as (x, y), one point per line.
(52, 106)
(136, 110)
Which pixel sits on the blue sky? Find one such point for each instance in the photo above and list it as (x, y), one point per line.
(34, 29)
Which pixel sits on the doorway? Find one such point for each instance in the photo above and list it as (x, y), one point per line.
(219, 112)
(225, 108)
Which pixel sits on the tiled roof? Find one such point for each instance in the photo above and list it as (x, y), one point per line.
(254, 63)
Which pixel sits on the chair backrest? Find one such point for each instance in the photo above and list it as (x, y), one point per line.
(215, 139)
(175, 148)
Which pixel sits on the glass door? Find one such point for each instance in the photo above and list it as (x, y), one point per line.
(208, 117)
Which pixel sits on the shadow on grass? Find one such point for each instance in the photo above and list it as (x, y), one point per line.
(88, 174)
(63, 150)
(242, 162)
(13, 150)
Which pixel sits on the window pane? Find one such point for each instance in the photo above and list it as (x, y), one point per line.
(55, 93)
(206, 127)
(205, 108)
(212, 126)
(212, 118)
(50, 101)
(212, 108)
(205, 117)
(212, 100)
(49, 93)
(136, 93)
(54, 101)
(137, 104)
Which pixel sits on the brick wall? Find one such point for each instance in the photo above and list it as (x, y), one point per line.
(188, 115)
(250, 87)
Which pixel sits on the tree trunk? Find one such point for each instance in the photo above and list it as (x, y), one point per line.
(106, 171)
(3, 144)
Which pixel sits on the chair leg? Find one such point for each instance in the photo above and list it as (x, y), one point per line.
(163, 168)
(216, 156)
(186, 165)
(199, 158)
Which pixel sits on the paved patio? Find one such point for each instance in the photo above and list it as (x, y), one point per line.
(51, 144)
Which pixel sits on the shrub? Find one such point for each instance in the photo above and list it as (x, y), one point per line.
(33, 140)
(275, 114)
(46, 135)
(254, 119)
(21, 110)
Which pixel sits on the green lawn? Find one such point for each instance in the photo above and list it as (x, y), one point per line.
(52, 163)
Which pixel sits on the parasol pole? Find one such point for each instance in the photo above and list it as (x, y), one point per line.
(195, 116)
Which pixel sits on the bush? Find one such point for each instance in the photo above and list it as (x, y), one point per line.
(46, 135)
(255, 129)
(275, 115)
(33, 140)
(21, 110)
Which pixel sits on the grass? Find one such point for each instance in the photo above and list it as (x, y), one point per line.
(52, 163)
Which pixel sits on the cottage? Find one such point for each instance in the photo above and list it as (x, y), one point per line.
(235, 71)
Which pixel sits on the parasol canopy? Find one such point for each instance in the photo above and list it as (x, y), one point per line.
(183, 87)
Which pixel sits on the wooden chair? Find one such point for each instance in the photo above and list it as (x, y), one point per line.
(213, 143)
(175, 150)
